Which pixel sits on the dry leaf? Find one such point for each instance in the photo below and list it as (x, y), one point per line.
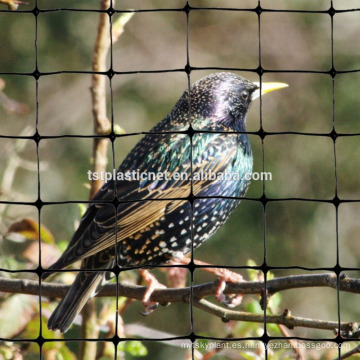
(29, 228)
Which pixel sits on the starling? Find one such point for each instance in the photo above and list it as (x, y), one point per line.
(198, 153)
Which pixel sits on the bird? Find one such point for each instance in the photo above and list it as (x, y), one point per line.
(139, 220)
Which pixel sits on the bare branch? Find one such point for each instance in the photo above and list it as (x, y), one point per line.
(293, 342)
(102, 125)
(169, 295)
(350, 353)
(89, 328)
(53, 290)
(285, 319)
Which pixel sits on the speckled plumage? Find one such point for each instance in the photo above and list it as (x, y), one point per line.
(152, 223)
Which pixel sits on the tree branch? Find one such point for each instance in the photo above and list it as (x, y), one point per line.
(350, 353)
(169, 295)
(102, 125)
(285, 319)
(53, 290)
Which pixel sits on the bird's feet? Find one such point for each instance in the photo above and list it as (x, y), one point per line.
(152, 284)
(225, 275)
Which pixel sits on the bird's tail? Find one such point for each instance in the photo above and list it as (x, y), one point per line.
(85, 285)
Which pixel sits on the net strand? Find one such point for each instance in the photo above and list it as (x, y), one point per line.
(264, 200)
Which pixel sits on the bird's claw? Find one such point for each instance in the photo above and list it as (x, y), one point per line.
(225, 275)
(149, 307)
(219, 294)
(152, 284)
(231, 300)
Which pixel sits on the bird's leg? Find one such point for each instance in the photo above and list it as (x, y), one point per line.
(152, 284)
(225, 276)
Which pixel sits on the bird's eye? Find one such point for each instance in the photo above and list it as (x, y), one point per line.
(245, 94)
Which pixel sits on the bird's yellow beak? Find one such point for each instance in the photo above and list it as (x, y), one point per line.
(266, 88)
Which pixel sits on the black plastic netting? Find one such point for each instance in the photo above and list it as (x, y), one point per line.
(303, 221)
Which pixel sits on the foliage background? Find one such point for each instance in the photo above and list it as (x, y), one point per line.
(297, 233)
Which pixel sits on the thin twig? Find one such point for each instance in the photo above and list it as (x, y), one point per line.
(89, 328)
(350, 353)
(286, 318)
(293, 342)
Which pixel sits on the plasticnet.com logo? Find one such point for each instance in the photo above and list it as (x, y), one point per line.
(137, 175)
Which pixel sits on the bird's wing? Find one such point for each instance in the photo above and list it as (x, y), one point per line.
(102, 227)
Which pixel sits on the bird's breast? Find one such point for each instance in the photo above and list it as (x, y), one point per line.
(222, 164)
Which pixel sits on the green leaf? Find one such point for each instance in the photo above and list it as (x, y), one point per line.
(252, 273)
(62, 245)
(33, 327)
(275, 302)
(121, 21)
(6, 353)
(270, 276)
(274, 329)
(135, 348)
(9, 262)
(15, 313)
(250, 356)
(254, 307)
(118, 130)
(251, 262)
(82, 209)
(65, 354)
(29, 229)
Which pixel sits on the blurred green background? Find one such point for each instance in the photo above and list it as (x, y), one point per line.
(303, 166)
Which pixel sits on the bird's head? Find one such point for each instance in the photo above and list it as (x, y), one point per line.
(220, 101)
